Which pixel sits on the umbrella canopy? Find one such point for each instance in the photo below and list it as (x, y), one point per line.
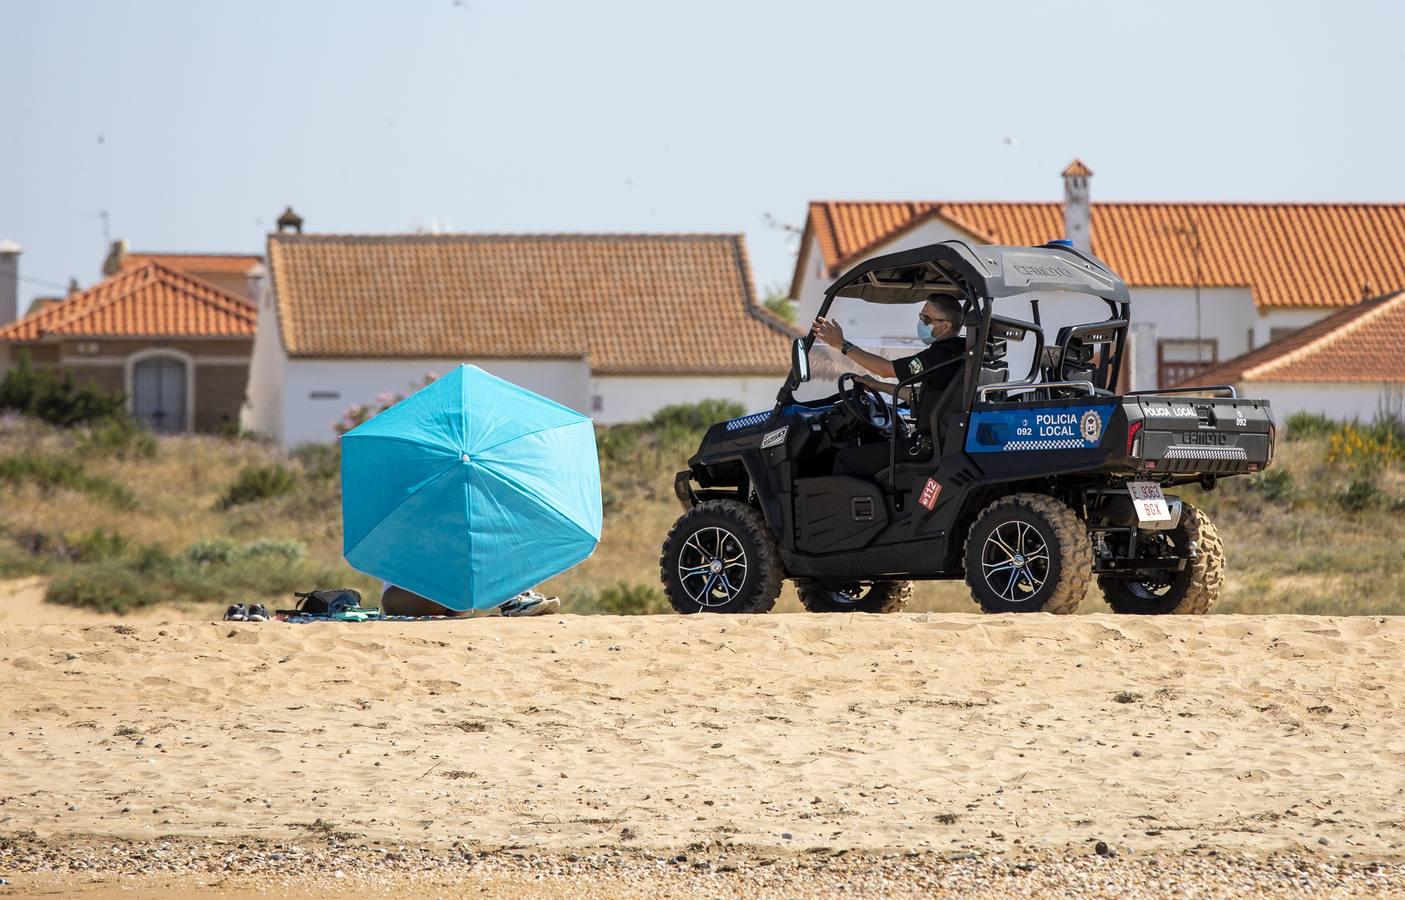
(470, 491)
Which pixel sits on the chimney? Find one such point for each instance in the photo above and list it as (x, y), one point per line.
(115, 257)
(290, 221)
(9, 282)
(1078, 216)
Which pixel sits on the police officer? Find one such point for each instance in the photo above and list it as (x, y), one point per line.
(937, 326)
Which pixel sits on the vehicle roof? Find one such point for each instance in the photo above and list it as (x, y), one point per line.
(988, 270)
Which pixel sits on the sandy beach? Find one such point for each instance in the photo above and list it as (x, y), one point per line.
(936, 742)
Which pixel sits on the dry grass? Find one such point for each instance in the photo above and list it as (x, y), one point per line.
(1290, 549)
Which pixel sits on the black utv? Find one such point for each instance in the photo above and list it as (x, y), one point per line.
(1032, 486)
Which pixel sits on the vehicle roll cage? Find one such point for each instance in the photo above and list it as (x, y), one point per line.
(977, 275)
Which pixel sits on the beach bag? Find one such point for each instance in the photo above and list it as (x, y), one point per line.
(322, 602)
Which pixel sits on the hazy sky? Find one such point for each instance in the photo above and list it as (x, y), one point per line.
(194, 123)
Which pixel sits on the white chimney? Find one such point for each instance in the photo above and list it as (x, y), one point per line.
(9, 282)
(1078, 215)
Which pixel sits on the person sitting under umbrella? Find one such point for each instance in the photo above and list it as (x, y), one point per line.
(396, 601)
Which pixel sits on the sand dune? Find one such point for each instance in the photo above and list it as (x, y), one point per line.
(794, 731)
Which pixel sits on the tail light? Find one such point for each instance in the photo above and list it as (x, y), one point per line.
(1272, 437)
(1133, 448)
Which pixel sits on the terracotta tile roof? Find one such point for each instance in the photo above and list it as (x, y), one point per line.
(635, 304)
(1076, 168)
(1362, 343)
(150, 301)
(196, 264)
(1292, 255)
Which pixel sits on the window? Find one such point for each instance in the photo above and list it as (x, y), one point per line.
(1178, 360)
(597, 403)
(324, 395)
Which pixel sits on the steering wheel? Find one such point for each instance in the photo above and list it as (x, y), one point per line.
(865, 403)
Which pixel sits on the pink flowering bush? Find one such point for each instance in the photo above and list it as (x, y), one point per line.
(362, 412)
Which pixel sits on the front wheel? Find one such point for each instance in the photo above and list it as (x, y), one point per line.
(1191, 591)
(878, 597)
(1028, 553)
(720, 557)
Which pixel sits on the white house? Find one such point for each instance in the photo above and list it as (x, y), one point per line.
(1348, 365)
(616, 326)
(1209, 281)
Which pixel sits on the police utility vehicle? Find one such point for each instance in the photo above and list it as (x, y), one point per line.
(1031, 486)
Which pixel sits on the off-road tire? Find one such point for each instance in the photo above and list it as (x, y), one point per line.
(1068, 569)
(877, 597)
(1192, 591)
(761, 583)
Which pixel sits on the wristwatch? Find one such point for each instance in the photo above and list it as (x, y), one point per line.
(845, 347)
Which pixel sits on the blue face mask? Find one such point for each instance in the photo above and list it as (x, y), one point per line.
(924, 331)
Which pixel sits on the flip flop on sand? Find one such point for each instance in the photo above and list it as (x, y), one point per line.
(530, 604)
(236, 613)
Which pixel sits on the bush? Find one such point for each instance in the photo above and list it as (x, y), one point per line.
(56, 397)
(104, 587)
(625, 599)
(1364, 450)
(214, 551)
(1359, 496)
(258, 483)
(1275, 484)
(696, 416)
(1302, 425)
(52, 472)
(320, 461)
(97, 545)
(289, 551)
(121, 437)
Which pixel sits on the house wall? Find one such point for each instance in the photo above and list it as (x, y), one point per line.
(315, 392)
(263, 410)
(629, 398)
(1342, 402)
(1274, 319)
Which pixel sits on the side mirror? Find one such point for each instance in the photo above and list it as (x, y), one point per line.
(799, 361)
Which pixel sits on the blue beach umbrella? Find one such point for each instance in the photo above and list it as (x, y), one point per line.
(470, 491)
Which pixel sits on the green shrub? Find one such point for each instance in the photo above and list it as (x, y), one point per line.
(1364, 450)
(97, 545)
(320, 461)
(214, 551)
(121, 437)
(53, 472)
(1275, 484)
(258, 483)
(1359, 496)
(287, 550)
(104, 587)
(1302, 425)
(625, 599)
(696, 416)
(55, 397)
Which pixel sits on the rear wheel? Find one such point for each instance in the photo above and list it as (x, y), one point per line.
(1191, 591)
(876, 597)
(720, 557)
(1028, 553)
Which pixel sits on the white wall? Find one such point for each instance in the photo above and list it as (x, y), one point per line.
(1285, 318)
(349, 382)
(629, 398)
(871, 325)
(263, 410)
(1342, 402)
(1160, 313)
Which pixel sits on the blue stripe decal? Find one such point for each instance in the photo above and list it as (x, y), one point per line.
(1047, 428)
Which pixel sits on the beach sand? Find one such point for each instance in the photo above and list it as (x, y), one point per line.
(779, 739)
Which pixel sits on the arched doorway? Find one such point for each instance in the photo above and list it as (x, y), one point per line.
(159, 383)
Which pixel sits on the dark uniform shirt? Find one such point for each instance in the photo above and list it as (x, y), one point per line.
(926, 391)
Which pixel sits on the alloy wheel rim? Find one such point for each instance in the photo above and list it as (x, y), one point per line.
(1015, 561)
(712, 567)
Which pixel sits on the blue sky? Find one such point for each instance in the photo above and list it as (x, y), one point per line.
(192, 124)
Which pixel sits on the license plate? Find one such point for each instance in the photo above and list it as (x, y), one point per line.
(1150, 503)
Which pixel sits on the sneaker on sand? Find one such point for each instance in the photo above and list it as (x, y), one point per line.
(257, 613)
(236, 613)
(530, 604)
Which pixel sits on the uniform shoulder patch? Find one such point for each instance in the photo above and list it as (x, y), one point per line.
(915, 365)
